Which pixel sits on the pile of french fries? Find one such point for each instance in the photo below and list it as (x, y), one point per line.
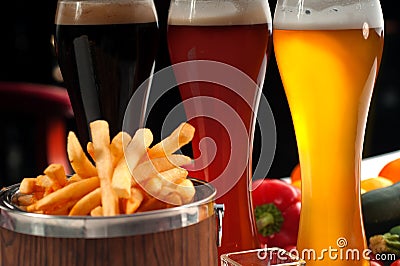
(127, 175)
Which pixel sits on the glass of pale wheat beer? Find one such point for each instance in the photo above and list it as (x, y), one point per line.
(106, 50)
(212, 44)
(328, 54)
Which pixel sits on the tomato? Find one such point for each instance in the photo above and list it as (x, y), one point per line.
(295, 174)
(395, 263)
(374, 263)
(391, 170)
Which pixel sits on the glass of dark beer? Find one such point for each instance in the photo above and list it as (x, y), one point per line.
(219, 51)
(106, 50)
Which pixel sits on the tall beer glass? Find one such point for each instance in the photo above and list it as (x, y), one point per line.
(106, 50)
(236, 34)
(328, 54)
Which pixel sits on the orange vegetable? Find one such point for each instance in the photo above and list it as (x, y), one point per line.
(295, 174)
(391, 170)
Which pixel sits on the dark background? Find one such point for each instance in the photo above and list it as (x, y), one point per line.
(26, 54)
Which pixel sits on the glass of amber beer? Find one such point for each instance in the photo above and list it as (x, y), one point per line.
(106, 50)
(328, 54)
(224, 41)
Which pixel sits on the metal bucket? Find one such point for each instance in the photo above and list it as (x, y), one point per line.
(184, 235)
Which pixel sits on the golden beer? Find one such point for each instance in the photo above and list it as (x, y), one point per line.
(328, 76)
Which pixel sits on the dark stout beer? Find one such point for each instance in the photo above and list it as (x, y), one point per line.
(105, 52)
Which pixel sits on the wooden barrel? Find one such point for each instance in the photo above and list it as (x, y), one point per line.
(184, 235)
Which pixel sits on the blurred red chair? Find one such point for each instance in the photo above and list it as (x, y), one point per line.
(40, 115)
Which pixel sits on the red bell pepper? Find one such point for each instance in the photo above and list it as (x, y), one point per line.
(277, 211)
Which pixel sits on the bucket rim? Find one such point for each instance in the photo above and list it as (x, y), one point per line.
(19, 221)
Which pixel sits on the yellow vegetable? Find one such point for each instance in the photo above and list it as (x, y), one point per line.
(375, 183)
(297, 183)
(366, 184)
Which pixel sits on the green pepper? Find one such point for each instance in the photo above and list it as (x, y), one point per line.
(386, 243)
(395, 230)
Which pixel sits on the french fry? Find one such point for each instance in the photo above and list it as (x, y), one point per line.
(152, 204)
(168, 178)
(171, 186)
(47, 184)
(78, 159)
(150, 168)
(87, 203)
(98, 211)
(122, 178)
(173, 198)
(186, 191)
(56, 173)
(134, 201)
(138, 147)
(109, 186)
(173, 176)
(74, 178)
(182, 135)
(102, 153)
(118, 145)
(27, 185)
(37, 195)
(90, 150)
(152, 186)
(62, 209)
(71, 192)
(166, 196)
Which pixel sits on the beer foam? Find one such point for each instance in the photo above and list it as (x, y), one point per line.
(351, 14)
(105, 12)
(216, 13)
